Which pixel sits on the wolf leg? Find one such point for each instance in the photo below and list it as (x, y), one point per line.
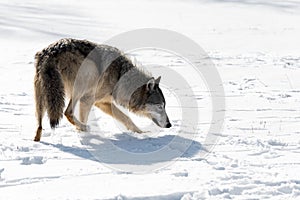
(39, 129)
(69, 113)
(116, 113)
(86, 104)
(40, 108)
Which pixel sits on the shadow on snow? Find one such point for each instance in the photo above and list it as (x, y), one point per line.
(127, 149)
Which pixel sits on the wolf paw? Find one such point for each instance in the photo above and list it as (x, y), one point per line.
(137, 130)
(83, 127)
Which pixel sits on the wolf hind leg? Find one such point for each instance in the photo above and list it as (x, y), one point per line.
(38, 134)
(116, 113)
(69, 113)
(40, 108)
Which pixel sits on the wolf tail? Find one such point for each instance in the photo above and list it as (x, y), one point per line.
(52, 88)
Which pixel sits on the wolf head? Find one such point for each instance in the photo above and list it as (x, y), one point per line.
(149, 101)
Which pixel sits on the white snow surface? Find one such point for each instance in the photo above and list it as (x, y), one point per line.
(255, 46)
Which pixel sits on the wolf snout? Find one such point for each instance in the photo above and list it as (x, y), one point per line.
(168, 125)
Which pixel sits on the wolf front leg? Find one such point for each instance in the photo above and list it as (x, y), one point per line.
(86, 103)
(116, 113)
(69, 113)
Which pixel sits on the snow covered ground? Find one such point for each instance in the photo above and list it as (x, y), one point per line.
(254, 44)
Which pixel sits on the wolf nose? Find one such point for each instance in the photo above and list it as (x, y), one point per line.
(168, 125)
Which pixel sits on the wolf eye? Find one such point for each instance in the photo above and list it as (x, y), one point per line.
(160, 106)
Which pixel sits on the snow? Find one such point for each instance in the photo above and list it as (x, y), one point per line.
(254, 45)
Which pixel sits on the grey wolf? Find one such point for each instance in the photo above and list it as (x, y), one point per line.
(93, 74)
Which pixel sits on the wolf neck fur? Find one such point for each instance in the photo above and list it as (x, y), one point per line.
(131, 79)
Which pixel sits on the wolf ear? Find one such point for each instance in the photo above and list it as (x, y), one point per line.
(158, 80)
(150, 84)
